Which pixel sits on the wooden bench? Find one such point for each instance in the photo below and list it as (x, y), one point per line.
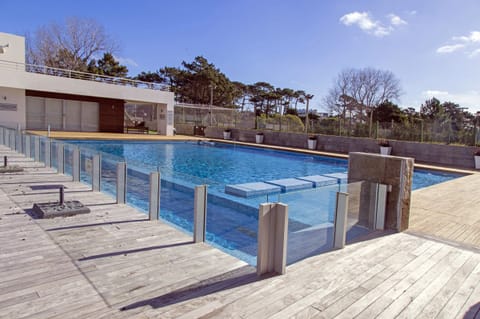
(136, 129)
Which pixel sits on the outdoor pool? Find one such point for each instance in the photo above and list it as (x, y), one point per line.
(231, 219)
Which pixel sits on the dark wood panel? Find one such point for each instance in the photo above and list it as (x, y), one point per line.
(111, 116)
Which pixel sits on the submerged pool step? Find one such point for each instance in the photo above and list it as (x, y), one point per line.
(285, 185)
(252, 189)
(341, 177)
(319, 180)
(291, 184)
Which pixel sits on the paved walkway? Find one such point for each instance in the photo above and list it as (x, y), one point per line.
(113, 263)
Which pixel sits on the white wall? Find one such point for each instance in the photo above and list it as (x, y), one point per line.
(16, 48)
(14, 76)
(16, 97)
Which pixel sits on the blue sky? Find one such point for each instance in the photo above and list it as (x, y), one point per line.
(432, 46)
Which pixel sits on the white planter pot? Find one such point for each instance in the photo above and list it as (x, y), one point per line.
(477, 162)
(227, 135)
(312, 144)
(259, 138)
(385, 150)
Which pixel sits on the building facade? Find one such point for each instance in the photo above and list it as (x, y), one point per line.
(38, 97)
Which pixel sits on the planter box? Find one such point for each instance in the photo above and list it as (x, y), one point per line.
(259, 138)
(312, 144)
(227, 135)
(477, 161)
(385, 150)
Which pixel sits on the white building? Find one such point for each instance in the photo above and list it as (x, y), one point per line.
(36, 97)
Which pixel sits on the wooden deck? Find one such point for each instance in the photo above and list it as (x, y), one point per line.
(449, 211)
(113, 263)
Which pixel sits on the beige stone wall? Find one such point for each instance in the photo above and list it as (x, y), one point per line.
(435, 154)
(389, 170)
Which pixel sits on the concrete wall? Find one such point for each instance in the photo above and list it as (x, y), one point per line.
(15, 51)
(437, 154)
(9, 98)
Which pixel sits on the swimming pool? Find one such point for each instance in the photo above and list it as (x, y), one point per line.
(232, 220)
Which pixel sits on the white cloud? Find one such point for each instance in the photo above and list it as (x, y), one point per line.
(371, 26)
(469, 43)
(473, 37)
(469, 99)
(362, 19)
(432, 93)
(126, 61)
(474, 53)
(396, 20)
(450, 48)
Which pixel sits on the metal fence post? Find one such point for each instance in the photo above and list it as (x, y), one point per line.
(340, 225)
(199, 213)
(96, 173)
(37, 149)
(48, 153)
(154, 198)
(272, 238)
(121, 183)
(28, 146)
(76, 164)
(61, 158)
(378, 204)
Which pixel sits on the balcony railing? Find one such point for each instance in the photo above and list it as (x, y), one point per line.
(41, 69)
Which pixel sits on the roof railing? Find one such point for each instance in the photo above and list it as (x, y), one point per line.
(46, 70)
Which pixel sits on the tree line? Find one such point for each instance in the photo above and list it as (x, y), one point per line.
(357, 96)
(76, 44)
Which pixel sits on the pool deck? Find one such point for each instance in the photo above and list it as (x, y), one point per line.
(114, 263)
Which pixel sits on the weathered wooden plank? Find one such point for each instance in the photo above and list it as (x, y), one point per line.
(421, 300)
(436, 304)
(93, 262)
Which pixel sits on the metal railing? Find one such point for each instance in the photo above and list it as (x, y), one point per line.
(415, 130)
(71, 74)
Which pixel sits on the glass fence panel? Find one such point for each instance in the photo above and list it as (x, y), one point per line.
(138, 187)
(32, 146)
(24, 143)
(232, 224)
(68, 159)
(43, 149)
(359, 217)
(54, 157)
(177, 202)
(108, 179)
(86, 166)
(311, 215)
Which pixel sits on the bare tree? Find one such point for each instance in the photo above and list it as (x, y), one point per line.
(361, 90)
(70, 46)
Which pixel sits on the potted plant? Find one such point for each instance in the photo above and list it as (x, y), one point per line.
(385, 148)
(312, 142)
(259, 138)
(476, 156)
(227, 134)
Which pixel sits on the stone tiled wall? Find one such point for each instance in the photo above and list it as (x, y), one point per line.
(388, 170)
(436, 154)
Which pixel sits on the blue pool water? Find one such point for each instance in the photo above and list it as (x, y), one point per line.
(231, 220)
